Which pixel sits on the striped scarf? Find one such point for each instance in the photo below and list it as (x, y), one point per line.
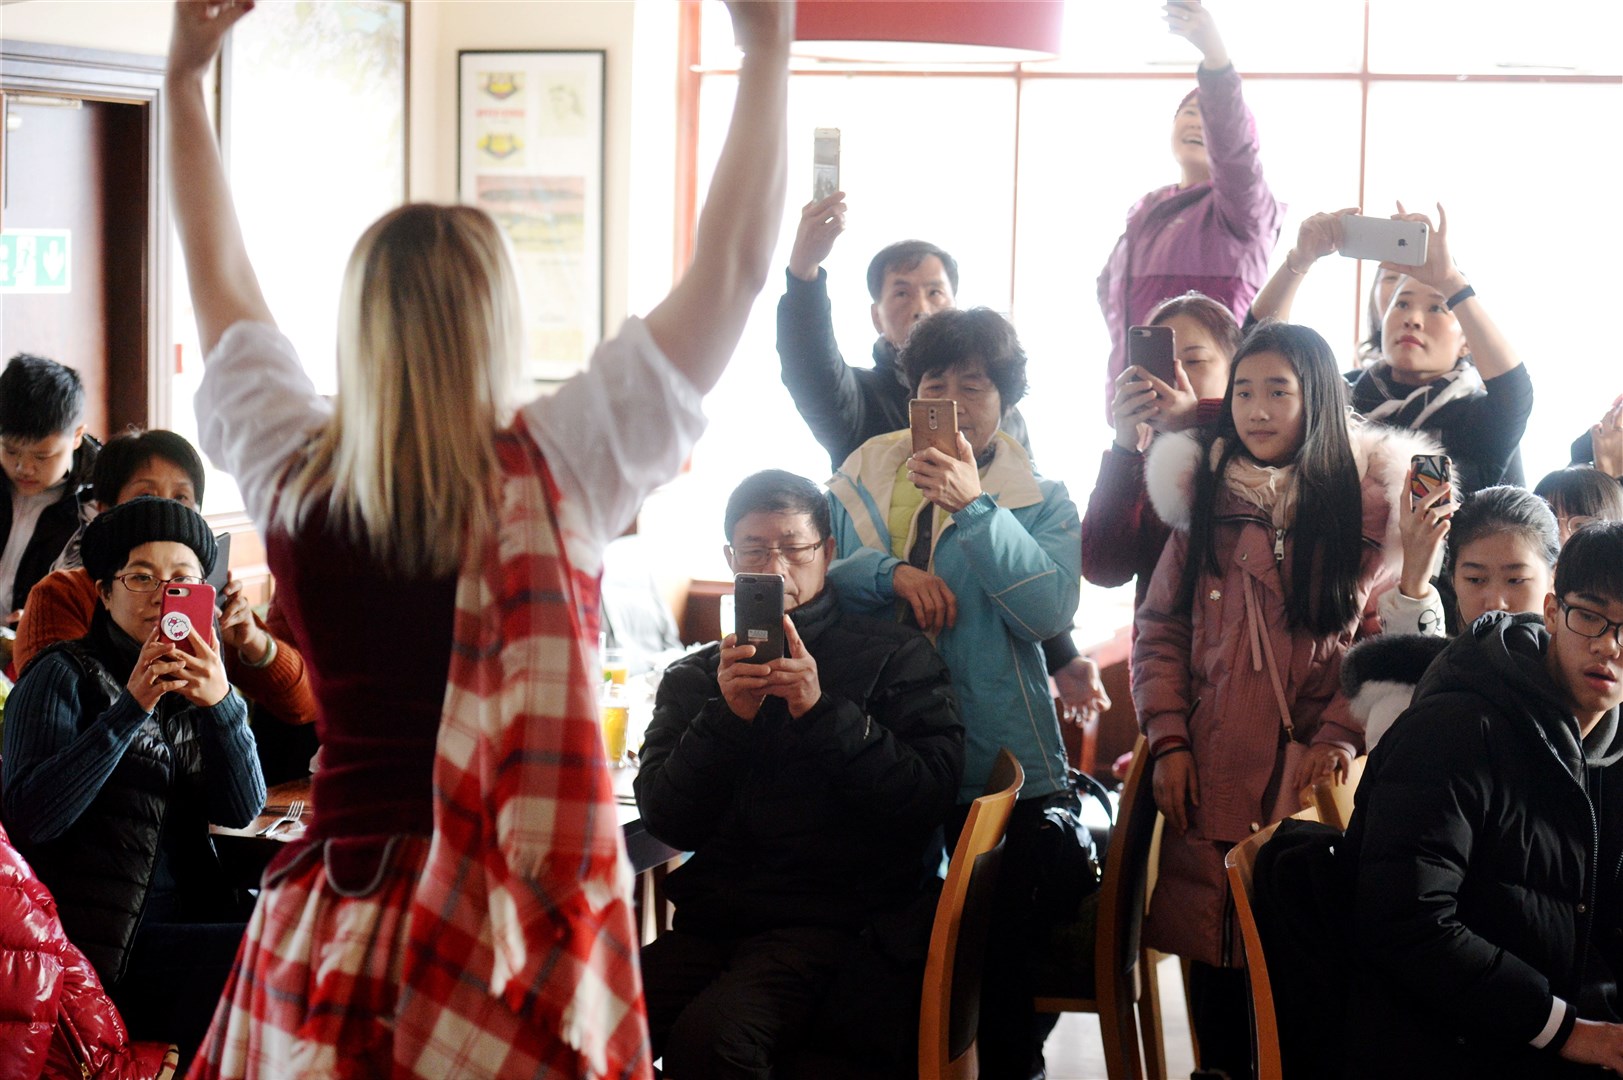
(1378, 396)
(527, 889)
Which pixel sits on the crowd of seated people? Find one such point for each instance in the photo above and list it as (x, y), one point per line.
(460, 903)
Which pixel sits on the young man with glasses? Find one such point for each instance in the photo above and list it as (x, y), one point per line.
(1488, 846)
(808, 790)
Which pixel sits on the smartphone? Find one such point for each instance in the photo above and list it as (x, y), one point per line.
(758, 615)
(1151, 348)
(935, 423)
(825, 162)
(1427, 473)
(187, 607)
(222, 567)
(1382, 239)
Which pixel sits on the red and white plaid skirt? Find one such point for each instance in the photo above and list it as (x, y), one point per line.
(316, 992)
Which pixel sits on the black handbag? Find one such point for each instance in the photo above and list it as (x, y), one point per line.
(1063, 853)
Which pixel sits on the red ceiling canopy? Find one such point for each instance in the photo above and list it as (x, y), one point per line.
(917, 31)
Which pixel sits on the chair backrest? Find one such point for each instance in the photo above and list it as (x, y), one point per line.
(1241, 862)
(949, 1011)
(1123, 886)
(1334, 798)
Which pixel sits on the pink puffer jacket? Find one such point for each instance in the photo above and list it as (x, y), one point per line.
(55, 1018)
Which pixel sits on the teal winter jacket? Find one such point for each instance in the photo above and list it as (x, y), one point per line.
(1013, 560)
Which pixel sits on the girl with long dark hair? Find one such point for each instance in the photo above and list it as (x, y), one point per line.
(1283, 532)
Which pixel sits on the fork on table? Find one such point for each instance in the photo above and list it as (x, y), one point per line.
(295, 811)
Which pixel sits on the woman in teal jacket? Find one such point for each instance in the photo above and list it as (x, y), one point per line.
(984, 557)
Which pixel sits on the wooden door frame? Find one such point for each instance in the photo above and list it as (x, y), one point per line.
(127, 79)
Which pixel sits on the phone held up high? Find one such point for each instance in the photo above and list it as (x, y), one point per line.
(1151, 348)
(1382, 239)
(185, 608)
(825, 162)
(1427, 473)
(758, 615)
(935, 423)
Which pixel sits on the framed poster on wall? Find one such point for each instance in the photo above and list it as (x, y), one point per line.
(530, 153)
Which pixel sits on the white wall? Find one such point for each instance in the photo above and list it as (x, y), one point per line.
(640, 116)
(132, 26)
(638, 35)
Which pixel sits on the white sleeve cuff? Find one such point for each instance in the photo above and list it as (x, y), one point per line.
(1558, 1013)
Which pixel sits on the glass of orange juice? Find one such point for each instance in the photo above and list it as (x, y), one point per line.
(615, 710)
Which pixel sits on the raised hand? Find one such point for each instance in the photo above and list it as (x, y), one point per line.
(743, 685)
(1190, 20)
(762, 24)
(198, 29)
(1607, 437)
(238, 629)
(156, 672)
(1134, 408)
(821, 222)
(201, 678)
(794, 678)
(1439, 270)
(950, 483)
(1423, 526)
(1317, 236)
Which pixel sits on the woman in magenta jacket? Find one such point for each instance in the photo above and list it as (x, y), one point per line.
(1212, 231)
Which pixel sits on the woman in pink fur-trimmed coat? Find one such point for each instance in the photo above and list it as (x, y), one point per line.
(1284, 531)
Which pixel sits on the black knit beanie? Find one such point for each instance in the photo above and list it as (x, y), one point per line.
(109, 539)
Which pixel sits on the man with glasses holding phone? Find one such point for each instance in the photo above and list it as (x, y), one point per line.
(808, 789)
(1488, 846)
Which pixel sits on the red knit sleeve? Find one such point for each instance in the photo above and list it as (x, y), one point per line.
(59, 608)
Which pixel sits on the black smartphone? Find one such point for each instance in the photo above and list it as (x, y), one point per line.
(222, 567)
(1151, 348)
(758, 615)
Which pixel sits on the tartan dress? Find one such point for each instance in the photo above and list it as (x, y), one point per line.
(504, 945)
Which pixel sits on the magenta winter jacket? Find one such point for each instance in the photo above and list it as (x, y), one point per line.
(1214, 237)
(55, 1018)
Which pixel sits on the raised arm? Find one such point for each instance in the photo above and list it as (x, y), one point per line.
(1316, 237)
(1490, 349)
(698, 325)
(224, 288)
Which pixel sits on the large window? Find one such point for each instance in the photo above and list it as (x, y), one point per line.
(314, 130)
(1507, 112)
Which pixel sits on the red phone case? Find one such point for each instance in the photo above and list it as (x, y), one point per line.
(186, 607)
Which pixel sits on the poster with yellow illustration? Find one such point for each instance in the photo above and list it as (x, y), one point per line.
(531, 155)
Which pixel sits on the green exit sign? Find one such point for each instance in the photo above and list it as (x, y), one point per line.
(36, 261)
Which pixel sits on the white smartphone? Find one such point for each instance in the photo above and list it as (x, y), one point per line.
(1384, 240)
(825, 162)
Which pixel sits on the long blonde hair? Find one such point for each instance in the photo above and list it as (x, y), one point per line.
(430, 334)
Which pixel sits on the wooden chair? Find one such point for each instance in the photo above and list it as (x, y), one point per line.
(1125, 994)
(1333, 799)
(1241, 863)
(949, 1012)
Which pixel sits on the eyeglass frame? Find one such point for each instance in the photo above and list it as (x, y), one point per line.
(158, 583)
(1613, 628)
(776, 552)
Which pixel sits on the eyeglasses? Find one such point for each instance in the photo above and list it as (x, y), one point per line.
(1591, 624)
(759, 558)
(146, 583)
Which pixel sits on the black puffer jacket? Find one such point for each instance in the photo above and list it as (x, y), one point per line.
(817, 821)
(57, 525)
(1488, 858)
(844, 406)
